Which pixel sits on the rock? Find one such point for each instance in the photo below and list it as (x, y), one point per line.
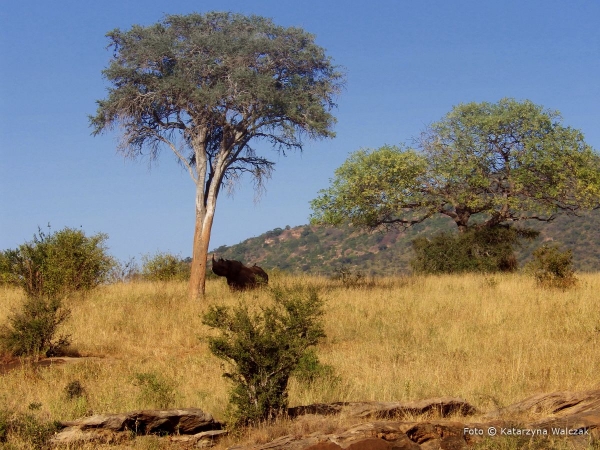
(558, 403)
(437, 435)
(324, 446)
(442, 407)
(205, 439)
(182, 421)
(111, 427)
(113, 422)
(370, 444)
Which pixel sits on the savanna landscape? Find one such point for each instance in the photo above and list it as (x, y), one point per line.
(444, 294)
(492, 340)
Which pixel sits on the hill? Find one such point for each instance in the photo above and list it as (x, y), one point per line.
(325, 250)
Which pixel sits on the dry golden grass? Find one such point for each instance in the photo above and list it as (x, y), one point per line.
(492, 340)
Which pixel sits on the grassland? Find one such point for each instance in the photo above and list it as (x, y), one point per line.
(492, 340)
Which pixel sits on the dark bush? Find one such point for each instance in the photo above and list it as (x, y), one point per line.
(476, 250)
(552, 267)
(264, 349)
(32, 331)
(26, 429)
(58, 263)
(74, 389)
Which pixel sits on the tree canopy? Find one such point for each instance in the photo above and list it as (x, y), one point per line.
(208, 87)
(483, 164)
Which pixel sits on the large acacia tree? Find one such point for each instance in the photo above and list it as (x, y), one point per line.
(209, 87)
(483, 165)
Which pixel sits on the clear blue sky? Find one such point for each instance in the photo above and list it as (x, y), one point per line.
(407, 64)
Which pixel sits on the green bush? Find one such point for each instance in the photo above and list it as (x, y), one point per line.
(164, 267)
(32, 331)
(310, 368)
(264, 348)
(25, 430)
(476, 250)
(7, 277)
(552, 267)
(156, 390)
(56, 264)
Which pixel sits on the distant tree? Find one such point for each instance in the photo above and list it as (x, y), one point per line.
(206, 87)
(164, 267)
(483, 164)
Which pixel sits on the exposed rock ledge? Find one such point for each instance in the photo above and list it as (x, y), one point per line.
(188, 424)
(576, 414)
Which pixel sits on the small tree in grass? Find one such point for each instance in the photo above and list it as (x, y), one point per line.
(264, 349)
(164, 267)
(552, 267)
(47, 268)
(58, 263)
(33, 330)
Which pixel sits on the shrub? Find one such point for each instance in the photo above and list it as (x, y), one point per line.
(7, 276)
(26, 429)
(164, 267)
(58, 263)
(351, 279)
(32, 332)
(310, 369)
(156, 390)
(124, 271)
(264, 349)
(552, 267)
(476, 250)
(74, 389)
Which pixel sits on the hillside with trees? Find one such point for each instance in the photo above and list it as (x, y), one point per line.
(326, 250)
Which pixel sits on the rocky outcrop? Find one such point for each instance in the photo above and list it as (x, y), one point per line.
(561, 415)
(194, 423)
(439, 407)
(556, 403)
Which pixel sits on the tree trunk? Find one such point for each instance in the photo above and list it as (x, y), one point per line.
(200, 254)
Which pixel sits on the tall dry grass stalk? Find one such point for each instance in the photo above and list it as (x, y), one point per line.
(492, 340)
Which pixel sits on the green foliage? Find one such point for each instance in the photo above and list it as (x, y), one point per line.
(164, 267)
(310, 369)
(7, 277)
(32, 331)
(26, 429)
(477, 250)
(267, 80)
(156, 390)
(552, 267)
(55, 264)
(371, 187)
(508, 161)
(264, 349)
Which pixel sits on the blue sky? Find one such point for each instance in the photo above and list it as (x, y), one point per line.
(407, 63)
